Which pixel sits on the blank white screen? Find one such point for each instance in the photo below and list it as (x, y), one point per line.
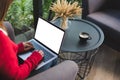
(49, 35)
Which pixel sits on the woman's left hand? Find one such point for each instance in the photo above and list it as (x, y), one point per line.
(27, 46)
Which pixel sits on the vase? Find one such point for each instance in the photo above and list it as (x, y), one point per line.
(64, 23)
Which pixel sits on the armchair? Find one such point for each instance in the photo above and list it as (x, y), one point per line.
(10, 30)
(105, 14)
(66, 70)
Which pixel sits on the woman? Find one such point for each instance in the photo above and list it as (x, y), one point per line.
(10, 69)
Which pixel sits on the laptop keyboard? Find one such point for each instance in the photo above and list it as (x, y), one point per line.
(40, 47)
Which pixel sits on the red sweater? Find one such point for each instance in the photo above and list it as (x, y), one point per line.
(9, 66)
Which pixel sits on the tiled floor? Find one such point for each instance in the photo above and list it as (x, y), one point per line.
(106, 65)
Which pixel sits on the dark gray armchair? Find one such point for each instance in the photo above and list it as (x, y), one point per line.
(105, 14)
(10, 30)
(66, 70)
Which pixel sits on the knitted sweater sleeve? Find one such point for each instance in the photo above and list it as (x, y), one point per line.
(28, 65)
(14, 71)
(21, 72)
(20, 47)
(9, 66)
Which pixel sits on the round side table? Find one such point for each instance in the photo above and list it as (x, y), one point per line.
(72, 48)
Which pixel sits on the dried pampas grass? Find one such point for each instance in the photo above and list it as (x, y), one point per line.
(65, 9)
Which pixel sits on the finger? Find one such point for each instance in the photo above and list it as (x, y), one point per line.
(28, 48)
(41, 52)
(29, 45)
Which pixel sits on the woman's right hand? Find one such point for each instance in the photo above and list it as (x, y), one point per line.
(41, 52)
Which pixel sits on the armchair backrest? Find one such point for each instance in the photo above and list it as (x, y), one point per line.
(10, 30)
(95, 5)
(90, 6)
(112, 4)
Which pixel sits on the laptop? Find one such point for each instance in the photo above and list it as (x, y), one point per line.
(48, 37)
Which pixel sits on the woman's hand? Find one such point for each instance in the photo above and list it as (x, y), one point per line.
(41, 53)
(27, 46)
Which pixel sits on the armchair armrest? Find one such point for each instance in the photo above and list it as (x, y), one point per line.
(95, 5)
(66, 70)
(10, 30)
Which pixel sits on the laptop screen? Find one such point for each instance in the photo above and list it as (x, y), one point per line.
(49, 35)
